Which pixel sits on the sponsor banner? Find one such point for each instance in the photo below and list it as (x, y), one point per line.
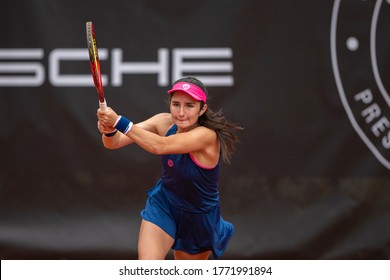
(359, 60)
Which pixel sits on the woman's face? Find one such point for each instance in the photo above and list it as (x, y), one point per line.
(185, 111)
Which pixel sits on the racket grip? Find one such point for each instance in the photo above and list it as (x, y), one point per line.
(103, 105)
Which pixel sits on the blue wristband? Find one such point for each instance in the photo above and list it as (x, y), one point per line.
(123, 125)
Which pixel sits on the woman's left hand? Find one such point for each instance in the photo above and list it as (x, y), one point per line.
(103, 129)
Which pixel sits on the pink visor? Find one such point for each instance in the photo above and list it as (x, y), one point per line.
(192, 90)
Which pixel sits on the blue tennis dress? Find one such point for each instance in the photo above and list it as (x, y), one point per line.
(185, 204)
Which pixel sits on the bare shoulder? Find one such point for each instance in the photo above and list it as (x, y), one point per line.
(163, 116)
(158, 123)
(162, 122)
(205, 133)
(203, 129)
(208, 152)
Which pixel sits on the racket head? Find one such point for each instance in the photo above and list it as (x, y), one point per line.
(94, 62)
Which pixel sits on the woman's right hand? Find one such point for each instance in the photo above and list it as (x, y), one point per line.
(107, 118)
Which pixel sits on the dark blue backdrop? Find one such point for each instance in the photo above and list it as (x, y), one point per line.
(310, 178)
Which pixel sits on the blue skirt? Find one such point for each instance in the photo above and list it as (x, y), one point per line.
(193, 232)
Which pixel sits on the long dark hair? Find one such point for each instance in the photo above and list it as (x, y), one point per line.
(225, 129)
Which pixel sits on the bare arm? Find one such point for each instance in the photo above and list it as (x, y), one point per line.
(187, 142)
(201, 142)
(157, 124)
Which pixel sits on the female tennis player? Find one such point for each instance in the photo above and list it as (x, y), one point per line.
(182, 211)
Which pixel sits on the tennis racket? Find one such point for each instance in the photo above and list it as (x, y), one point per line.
(94, 64)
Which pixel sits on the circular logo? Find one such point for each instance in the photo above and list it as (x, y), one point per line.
(170, 163)
(186, 86)
(360, 52)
